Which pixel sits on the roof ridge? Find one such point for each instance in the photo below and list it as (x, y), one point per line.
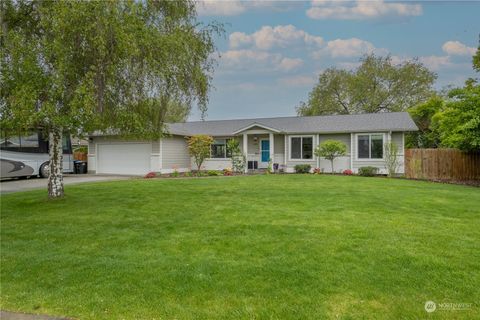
(290, 117)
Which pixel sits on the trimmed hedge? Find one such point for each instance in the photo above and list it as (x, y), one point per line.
(303, 168)
(367, 171)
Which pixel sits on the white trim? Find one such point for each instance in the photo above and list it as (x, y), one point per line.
(290, 159)
(256, 124)
(245, 151)
(161, 154)
(271, 147)
(351, 149)
(369, 143)
(316, 146)
(285, 150)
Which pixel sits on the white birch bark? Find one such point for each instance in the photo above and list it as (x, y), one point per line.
(55, 177)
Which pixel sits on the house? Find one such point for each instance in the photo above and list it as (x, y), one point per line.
(288, 141)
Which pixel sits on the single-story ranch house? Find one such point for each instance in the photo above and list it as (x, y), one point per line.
(288, 141)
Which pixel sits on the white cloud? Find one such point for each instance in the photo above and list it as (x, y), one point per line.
(435, 62)
(259, 60)
(352, 47)
(288, 64)
(456, 48)
(219, 8)
(236, 7)
(298, 81)
(360, 9)
(280, 36)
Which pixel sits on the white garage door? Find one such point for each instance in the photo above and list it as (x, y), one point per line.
(124, 158)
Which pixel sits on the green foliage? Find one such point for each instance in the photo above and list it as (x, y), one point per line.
(476, 60)
(88, 65)
(422, 114)
(367, 171)
(302, 168)
(238, 158)
(214, 173)
(199, 148)
(377, 85)
(459, 123)
(331, 149)
(175, 174)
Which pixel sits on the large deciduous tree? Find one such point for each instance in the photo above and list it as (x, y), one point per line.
(76, 66)
(377, 85)
(422, 114)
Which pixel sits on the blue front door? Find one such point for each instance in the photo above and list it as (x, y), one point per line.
(265, 150)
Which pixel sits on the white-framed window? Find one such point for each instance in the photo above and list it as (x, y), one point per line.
(301, 148)
(218, 149)
(370, 146)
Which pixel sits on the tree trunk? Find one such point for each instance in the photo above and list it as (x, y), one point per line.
(55, 177)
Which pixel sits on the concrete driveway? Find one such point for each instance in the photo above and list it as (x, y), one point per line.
(18, 185)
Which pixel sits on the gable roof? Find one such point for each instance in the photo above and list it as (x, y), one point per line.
(371, 122)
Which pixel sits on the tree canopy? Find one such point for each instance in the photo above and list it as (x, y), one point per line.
(76, 66)
(377, 85)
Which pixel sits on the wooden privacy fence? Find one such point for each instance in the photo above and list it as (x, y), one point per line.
(442, 164)
(82, 156)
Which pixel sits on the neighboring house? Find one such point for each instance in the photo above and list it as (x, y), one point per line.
(288, 141)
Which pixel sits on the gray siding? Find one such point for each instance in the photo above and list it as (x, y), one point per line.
(175, 153)
(342, 137)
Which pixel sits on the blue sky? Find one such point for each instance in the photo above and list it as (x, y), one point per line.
(273, 51)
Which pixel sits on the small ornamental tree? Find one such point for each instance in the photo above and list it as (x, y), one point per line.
(238, 159)
(199, 148)
(391, 158)
(331, 149)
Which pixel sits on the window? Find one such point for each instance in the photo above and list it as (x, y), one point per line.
(24, 143)
(370, 146)
(219, 149)
(301, 148)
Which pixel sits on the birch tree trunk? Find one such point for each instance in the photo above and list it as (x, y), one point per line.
(55, 177)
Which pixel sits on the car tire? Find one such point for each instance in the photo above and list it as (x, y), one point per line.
(44, 170)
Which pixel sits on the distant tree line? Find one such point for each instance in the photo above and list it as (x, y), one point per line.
(451, 119)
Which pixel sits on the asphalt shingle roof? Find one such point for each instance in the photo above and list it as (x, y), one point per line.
(391, 121)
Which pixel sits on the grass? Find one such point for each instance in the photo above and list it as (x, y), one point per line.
(263, 247)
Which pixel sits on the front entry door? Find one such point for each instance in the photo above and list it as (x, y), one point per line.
(264, 153)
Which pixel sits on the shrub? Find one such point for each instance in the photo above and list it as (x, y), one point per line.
(367, 171)
(175, 174)
(347, 172)
(199, 148)
(227, 172)
(150, 175)
(302, 168)
(213, 173)
(188, 174)
(391, 158)
(238, 158)
(317, 171)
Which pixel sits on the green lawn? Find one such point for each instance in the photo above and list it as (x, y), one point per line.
(263, 247)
